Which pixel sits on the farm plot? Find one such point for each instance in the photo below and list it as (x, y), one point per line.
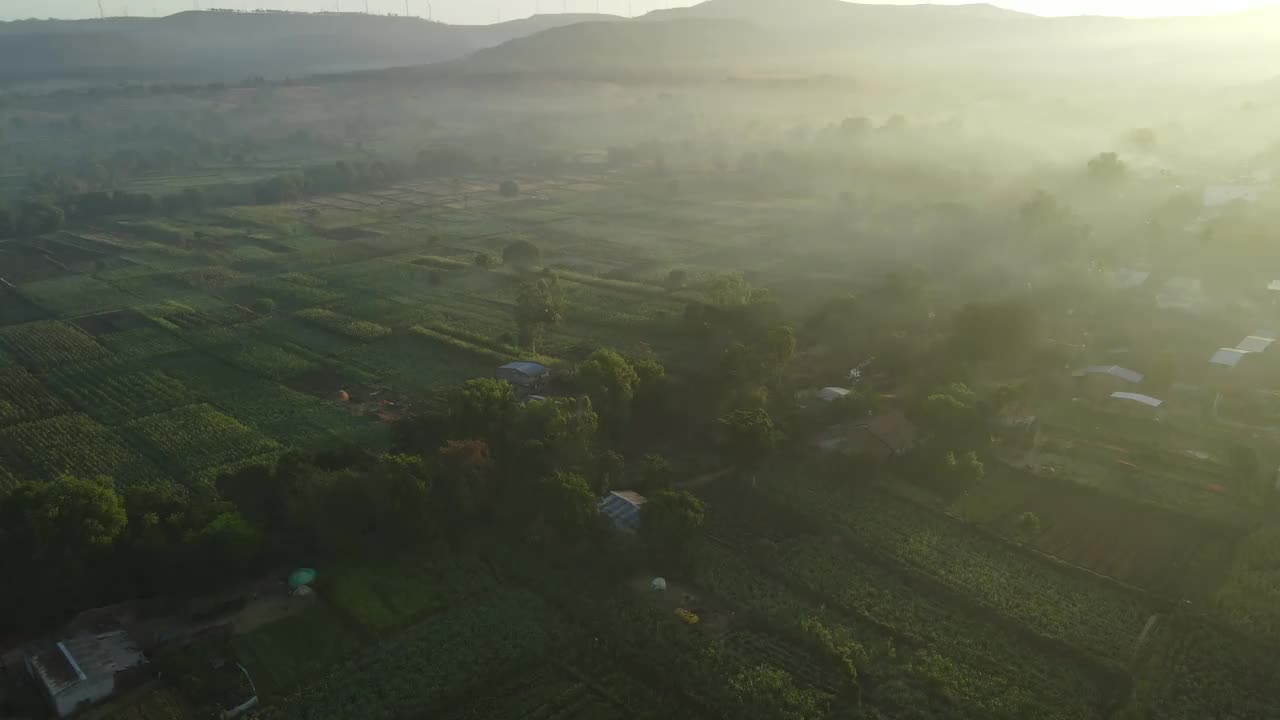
(425, 667)
(74, 445)
(162, 704)
(268, 360)
(914, 641)
(294, 418)
(23, 398)
(114, 397)
(198, 437)
(548, 693)
(143, 343)
(76, 295)
(1196, 672)
(21, 263)
(361, 330)
(1138, 543)
(384, 598)
(1086, 612)
(51, 344)
(283, 656)
(16, 309)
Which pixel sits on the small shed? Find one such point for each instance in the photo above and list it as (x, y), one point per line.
(832, 394)
(524, 374)
(1228, 357)
(1138, 398)
(622, 508)
(82, 670)
(1132, 377)
(1255, 343)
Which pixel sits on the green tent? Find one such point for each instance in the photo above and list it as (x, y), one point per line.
(301, 576)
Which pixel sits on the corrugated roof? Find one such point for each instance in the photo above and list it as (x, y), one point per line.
(85, 657)
(531, 369)
(832, 393)
(1254, 343)
(1125, 374)
(622, 507)
(1228, 357)
(1135, 397)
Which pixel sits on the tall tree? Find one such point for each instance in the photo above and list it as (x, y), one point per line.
(610, 381)
(670, 519)
(540, 303)
(566, 505)
(750, 438)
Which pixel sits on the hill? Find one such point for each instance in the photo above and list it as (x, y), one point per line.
(212, 45)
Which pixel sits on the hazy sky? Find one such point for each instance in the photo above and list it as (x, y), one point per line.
(481, 11)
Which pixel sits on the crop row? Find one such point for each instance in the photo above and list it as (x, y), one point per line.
(871, 591)
(1196, 671)
(23, 398)
(142, 343)
(1088, 613)
(50, 343)
(427, 664)
(75, 445)
(163, 704)
(546, 696)
(970, 669)
(384, 598)
(362, 330)
(197, 437)
(116, 398)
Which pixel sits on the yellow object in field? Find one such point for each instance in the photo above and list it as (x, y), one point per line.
(687, 617)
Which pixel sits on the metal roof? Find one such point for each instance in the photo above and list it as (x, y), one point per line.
(1144, 399)
(1254, 343)
(622, 507)
(66, 663)
(832, 393)
(1125, 374)
(1228, 357)
(531, 369)
(1273, 285)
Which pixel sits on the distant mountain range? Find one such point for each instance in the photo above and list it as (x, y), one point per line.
(215, 45)
(713, 35)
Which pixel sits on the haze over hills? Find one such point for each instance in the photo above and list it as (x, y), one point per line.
(210, 45)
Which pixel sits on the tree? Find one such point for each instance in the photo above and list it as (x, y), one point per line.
(749, 437)
(1107, 167)
(778, 349)
(733, 290)
(38, 217)
(1244, 462)
(670, 519)
(539, 303)
(264, 306)
(509, 188)
(766, 693)
(964, 470)
(482, 408)
(611, 469)
(991, 331)
(223, 547)
(1142, 139)
(63, 522)
(566, 505)
(610, 381)
(461, 485)
(656, 473)
(485, 260)
(1028, 526)
(676, 279)
(522, 254)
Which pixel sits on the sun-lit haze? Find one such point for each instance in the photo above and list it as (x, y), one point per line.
(488, 11)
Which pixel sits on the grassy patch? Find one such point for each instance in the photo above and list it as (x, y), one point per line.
(285, 655)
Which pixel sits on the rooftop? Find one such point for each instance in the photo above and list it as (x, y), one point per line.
(1125, 374)
(525, 368)
(1135, 397)
(92, 656)
(1228, 357)
(1255, 343)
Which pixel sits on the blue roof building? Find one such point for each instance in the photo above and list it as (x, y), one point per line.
(523, 374)
(622, 507)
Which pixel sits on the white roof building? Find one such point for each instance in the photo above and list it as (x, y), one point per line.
(1135, 397)
(831, 394)
(1255, 344)
(1132, 376)
(82, 670)
(1228, 357)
